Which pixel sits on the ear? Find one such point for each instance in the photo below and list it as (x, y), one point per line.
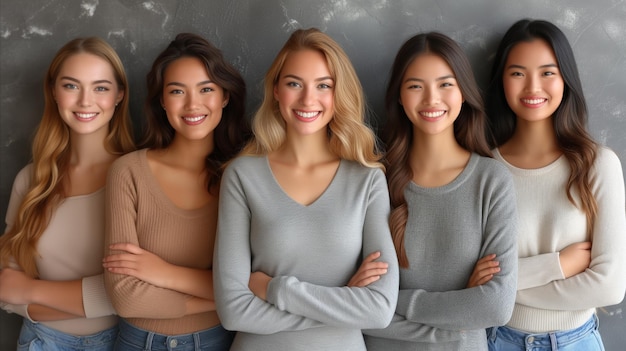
(120, 96)
(226, 100)
(276, 92)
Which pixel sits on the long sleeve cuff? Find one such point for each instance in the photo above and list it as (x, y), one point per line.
(95, 299)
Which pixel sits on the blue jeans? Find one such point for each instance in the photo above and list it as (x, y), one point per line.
(132, 338)
(38, 337)
(583, 338)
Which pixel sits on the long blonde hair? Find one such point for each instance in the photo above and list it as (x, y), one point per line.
(349, 135)
(51, 151)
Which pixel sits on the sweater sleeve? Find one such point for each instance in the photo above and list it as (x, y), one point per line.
(96, 302)
(350, 307)
(538, 270)
(238, 308)
(130, 296)
(482, 306)
(603, 283)
(402, 329)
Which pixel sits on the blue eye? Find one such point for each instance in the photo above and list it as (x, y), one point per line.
(70, 86)
(293, 84)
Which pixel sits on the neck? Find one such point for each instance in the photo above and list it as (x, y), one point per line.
(536, 137)
(88, 150)
(304, 150)
(436, 152)
(189, 154)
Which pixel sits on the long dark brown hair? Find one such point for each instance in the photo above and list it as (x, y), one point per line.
(569, 119)
(469, 127)
(233, 130)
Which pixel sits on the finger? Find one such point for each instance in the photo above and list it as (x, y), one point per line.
(371, 257)
(487, 258)
(365, 282)
(120, 257)
(128, 247)
(119, 270)
(484, 279)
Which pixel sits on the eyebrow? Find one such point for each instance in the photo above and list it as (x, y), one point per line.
(436, 79)
(549, 65)
(101, 81)
(205, 82)
(293, 76)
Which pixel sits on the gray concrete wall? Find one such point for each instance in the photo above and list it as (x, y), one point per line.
(251, 32)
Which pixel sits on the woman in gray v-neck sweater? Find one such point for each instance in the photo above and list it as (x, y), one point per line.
(308, 249)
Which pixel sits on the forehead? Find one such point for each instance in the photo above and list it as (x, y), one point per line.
(186, 66)
(305, 64)
(536, 52)
(428, 65)
(86, 66)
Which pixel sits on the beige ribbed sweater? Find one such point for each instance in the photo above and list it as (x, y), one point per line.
(137, 211)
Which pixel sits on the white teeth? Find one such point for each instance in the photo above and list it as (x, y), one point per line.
(533, 101)
(432, 114)
(86, 115)
(307, 114)
(194, 119)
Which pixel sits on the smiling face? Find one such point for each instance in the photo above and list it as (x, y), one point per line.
(430, 95)
(192, 101)
(532, 81)
(305, 93)
(86, 93)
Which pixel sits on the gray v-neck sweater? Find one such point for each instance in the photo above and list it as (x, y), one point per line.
(310, 251)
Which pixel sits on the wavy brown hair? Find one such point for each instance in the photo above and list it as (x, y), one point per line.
(51, 152)
(569, 119)
(233, 129)
(349, 135)
(469, 127)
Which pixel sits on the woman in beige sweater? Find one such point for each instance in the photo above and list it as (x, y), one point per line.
(162, 201)
(55, 217)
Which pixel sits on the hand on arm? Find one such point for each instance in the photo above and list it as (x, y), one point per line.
(258, 284)
(575, 258)
(150, 268)
(369, 271)
(484, 270)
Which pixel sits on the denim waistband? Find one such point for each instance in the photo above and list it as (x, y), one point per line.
(560, 338)
(155, 341)
(104, 337)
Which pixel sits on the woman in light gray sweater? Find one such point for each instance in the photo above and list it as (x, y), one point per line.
(453, 216)
(303, 209)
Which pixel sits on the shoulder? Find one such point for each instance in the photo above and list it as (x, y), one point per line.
(606, 158)
(131, 159)
(128, 165)
(607, 166)
(245, 163)
(491, 167)
(23, 178)
(355, 169)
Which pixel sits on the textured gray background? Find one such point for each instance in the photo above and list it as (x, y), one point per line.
(251, 32)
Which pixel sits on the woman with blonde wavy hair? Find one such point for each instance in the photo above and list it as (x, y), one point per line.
(301, 209)
(51, 251)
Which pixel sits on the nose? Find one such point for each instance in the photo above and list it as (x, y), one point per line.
(85, 98)
(191, 101)
(431, 96)
(307, 96)
(532, 83)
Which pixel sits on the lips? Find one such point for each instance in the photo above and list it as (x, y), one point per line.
(432, 114)
(307, 116)
(85, 116)
(194, 119)
(534, 101)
